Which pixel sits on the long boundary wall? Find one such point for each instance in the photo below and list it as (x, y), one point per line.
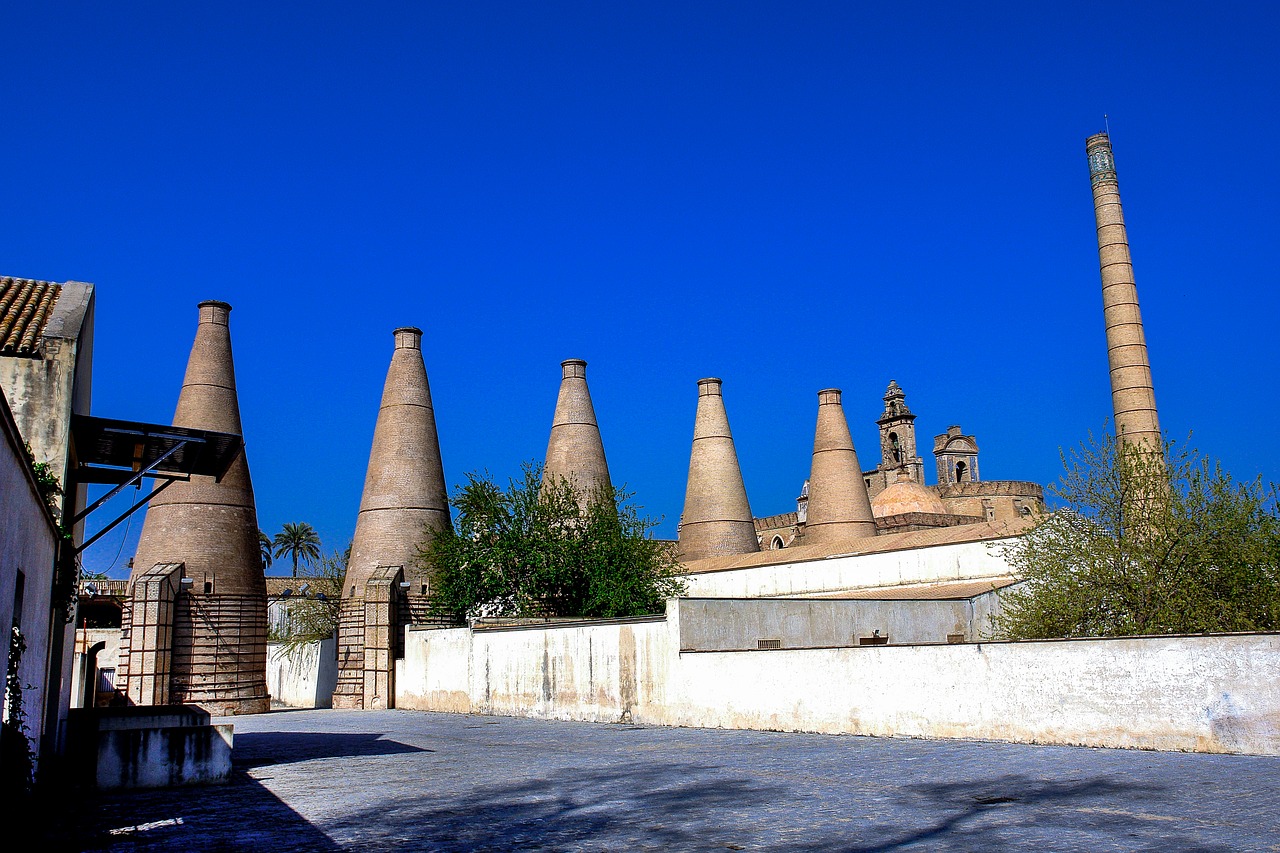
(1209, 694)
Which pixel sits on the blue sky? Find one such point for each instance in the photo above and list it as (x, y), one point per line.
(790, 196)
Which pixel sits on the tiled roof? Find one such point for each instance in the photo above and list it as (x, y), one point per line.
(276, 586)
(25, 306)
(918, 592)
(867, 545)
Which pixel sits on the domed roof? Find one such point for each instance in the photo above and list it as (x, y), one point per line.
(904, 496)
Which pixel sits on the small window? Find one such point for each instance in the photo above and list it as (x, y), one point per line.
(777, 544)
(961, 472)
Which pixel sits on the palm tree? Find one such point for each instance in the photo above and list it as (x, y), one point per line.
(264, 549)
(299, 541)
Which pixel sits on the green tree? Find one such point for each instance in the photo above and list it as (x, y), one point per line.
(1146, 543)
(265, 548)
(542, 549)
(299, 541)
(313, 612)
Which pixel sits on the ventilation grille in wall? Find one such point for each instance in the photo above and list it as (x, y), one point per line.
(768, 644)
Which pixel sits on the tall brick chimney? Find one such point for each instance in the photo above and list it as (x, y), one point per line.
(839, 507)
(217, 640)
(405, 500)
(575, 450)
(1133, 397)
(717, 519)
(405, 496)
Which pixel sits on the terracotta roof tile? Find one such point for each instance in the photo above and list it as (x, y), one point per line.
(883, 543)
(25, 305)
(918, 592)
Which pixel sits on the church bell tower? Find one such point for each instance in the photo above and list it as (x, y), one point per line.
(898, 436)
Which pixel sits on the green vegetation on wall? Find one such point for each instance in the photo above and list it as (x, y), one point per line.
(1146, 543)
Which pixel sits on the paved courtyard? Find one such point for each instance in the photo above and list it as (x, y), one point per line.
(393, 780)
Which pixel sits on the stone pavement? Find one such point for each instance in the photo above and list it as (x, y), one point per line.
(395, 780)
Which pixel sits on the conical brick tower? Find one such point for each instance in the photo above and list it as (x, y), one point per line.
(404, 501)
(717, 519)
(219, 627)
(575, 450)
(1133, 396)
(839, 507)
(404, 489)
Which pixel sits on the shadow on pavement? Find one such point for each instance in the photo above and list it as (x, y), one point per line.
(1006, 812)
(241, 815)
(651, 806)
(258, 749)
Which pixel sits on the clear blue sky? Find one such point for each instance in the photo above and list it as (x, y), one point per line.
(790, 196)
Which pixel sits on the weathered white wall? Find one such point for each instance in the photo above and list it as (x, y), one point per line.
(963, 561)
(599, 672)
(1212, 694)
(723, 624)
(305, 676)
(28, 543)
(163, 757)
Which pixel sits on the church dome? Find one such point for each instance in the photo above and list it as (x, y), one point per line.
(905, 496)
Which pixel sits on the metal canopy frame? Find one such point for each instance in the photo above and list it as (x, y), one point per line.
(125, 452)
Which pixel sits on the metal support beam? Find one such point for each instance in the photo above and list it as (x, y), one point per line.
(181, 442)
(130, 511)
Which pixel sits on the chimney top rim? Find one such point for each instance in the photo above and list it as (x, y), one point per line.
(413, 330)
(214, 303)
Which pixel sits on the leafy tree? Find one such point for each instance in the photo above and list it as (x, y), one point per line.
(299, 541)
(1146, 543)
(313, 615)
(543, 549)
(265, 548)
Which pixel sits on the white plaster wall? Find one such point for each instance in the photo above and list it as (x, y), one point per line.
(601, 672)
(723, 624)
(963, 561)
(27, 544)
(1212, 694)
(435, 672)
(305, 676)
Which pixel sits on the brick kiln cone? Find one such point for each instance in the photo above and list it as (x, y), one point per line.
(404, 489)
(1133, 397)
(839, 506)
(210, 526)
(717, 519)
(575, 450)
(211, 647)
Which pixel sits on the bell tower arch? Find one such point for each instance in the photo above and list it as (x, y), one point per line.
(898, 435)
